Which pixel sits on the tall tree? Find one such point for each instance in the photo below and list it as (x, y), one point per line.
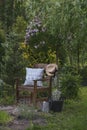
(9, 10)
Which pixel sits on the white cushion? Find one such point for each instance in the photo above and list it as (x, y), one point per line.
(33, 74)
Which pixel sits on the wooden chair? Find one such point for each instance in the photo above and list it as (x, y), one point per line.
(34, 90)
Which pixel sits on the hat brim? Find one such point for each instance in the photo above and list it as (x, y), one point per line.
(49, 74)
(51, 69)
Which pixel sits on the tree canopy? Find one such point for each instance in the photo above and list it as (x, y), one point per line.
(51, 31)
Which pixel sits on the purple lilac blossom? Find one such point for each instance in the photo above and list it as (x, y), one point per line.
(34, 27)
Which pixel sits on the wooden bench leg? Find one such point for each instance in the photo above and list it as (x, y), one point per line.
(34, 99)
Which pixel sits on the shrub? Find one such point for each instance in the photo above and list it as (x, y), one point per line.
(25, 111)
(69, 69)
(70, 85)
(6, 93)
(83, 74)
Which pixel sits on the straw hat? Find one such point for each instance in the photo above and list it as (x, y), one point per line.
(51, 69)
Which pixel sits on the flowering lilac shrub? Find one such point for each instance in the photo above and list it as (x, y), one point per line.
(35, 33)
(37, 38)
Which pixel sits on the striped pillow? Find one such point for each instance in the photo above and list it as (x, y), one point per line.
(33, 74)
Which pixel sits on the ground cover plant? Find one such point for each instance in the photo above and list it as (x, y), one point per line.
(72, 117)
(59, 27)
(5, 117)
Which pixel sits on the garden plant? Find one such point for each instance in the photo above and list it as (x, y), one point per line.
(43, 31)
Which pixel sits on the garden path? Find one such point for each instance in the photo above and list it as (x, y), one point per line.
(18, 123)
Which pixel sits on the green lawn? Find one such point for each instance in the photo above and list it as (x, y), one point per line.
(73, 116)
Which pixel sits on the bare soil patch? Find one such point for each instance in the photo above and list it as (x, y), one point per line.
(19, 123)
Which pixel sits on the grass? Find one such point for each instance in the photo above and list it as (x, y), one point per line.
(73, 116)
(4, 117)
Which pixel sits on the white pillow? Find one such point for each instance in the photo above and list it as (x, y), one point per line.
(33, 74)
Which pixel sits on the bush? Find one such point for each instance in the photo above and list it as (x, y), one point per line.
(6, 93)
(69, 69)
(13, 63)
(83, 74)
(26, 112)
(70, 85)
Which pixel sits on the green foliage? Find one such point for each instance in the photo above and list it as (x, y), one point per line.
(70, 85)
(65, 22)
(69, 69)
(2, 35)
(73, 116)
(7, 15)
(70, 81)
(19, 27)
(2, 39)
(7, 100)
(5, 117)
(83, 73)
(6, 93)
(36, 39)
(65, 36)
(12, 60)
(25, 111)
